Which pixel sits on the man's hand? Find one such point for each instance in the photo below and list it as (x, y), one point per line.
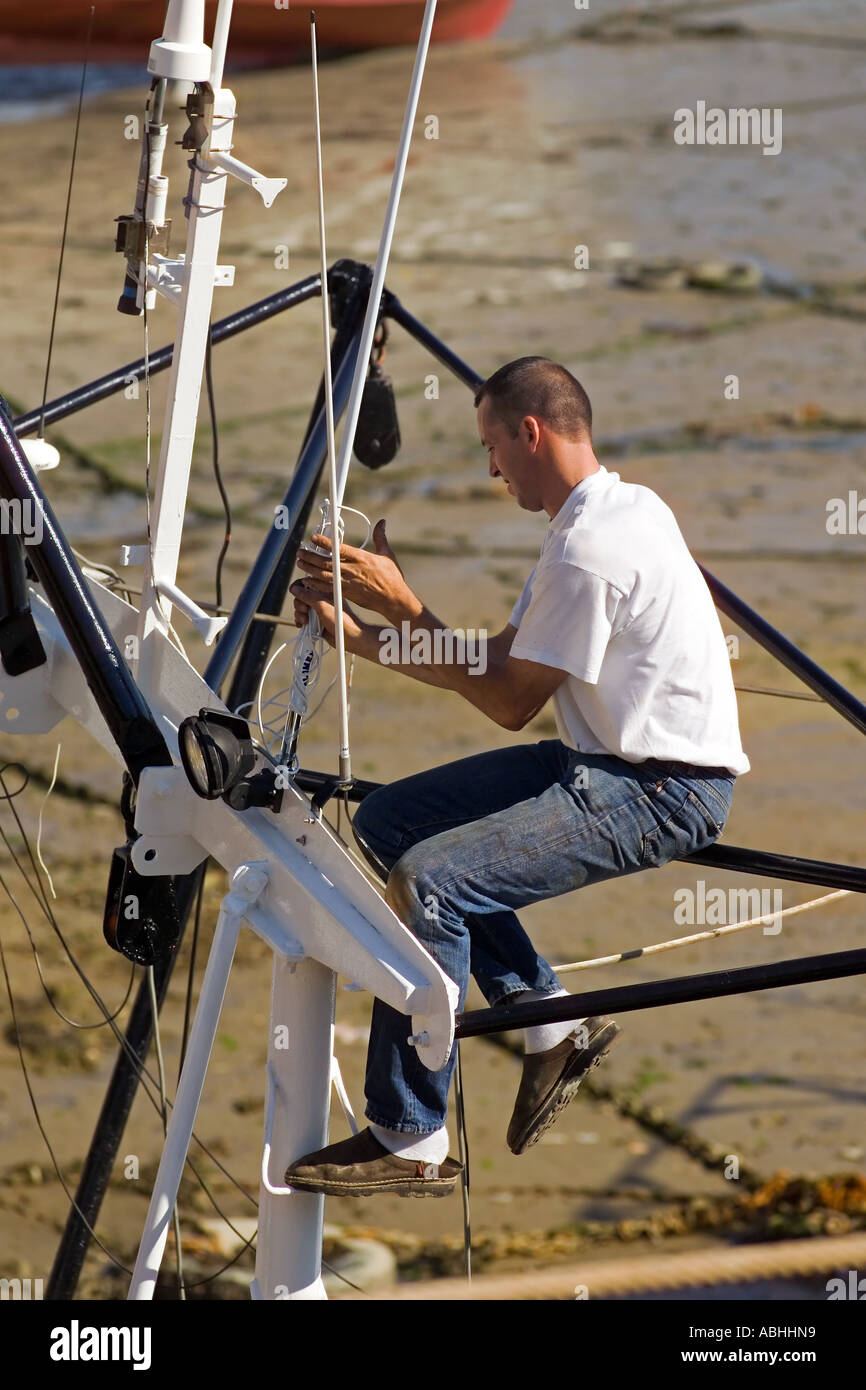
(359, 637)
(372, 581)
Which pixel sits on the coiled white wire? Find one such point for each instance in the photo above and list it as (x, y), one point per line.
(308, 650)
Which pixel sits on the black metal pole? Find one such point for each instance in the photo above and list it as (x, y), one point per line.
(393, 309)
(119, 699)
(160, 360)
(347, 316)
(656, 993)
(113, 1115)
(790, 656)
(771, 865)
(300, 489)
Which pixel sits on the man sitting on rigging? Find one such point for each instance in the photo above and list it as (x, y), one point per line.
(616, 625)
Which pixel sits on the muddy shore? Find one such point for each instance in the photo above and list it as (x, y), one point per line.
(548, 138)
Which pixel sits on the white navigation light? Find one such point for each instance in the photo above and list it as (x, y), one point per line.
(181, 54)
(40, 454)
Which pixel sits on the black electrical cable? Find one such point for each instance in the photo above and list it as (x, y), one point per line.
(217, 472)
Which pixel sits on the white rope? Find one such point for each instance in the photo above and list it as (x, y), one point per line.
(39, 822)
(698, 936)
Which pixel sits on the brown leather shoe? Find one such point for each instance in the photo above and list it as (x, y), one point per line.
(551, 1078)
(361, 1166)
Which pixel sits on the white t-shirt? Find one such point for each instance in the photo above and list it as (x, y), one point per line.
(618, 602)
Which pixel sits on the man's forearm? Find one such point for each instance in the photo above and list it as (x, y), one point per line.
(419, 645)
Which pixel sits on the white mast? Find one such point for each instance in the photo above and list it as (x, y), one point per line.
(189, 282)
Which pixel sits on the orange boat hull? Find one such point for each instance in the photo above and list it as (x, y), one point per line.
(54, 31)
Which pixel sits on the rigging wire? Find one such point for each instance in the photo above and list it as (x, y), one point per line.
(145, 1077)
(66, 220)
(25, 1073)
(783, 694)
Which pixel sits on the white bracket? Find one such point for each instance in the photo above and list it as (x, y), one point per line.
(223, 163)
(132, 555)
(163, 847)
(208, 626)
(166, 274)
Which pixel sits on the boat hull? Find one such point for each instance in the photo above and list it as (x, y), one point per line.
(55, 32)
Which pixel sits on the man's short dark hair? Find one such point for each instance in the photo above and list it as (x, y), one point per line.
(537, 386)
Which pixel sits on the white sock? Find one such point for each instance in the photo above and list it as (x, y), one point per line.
(430, 1148)
(545, 1035)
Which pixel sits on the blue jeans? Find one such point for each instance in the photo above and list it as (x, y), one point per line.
(468, 843)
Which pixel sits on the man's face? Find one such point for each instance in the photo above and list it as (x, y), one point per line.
(512, 459)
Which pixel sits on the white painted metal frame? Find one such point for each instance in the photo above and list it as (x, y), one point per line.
(319, 913)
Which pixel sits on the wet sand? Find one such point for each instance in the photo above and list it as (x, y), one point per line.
(547, 140)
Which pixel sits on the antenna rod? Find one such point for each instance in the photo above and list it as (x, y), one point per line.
(353, 409)
(345, 766)
(288, 752)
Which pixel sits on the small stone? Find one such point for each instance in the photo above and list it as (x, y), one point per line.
(726, 275)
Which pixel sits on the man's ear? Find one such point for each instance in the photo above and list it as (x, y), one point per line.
(531, 427)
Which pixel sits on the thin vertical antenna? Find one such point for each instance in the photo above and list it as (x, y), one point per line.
(66, 220)
(339, 635)
(353, 408)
